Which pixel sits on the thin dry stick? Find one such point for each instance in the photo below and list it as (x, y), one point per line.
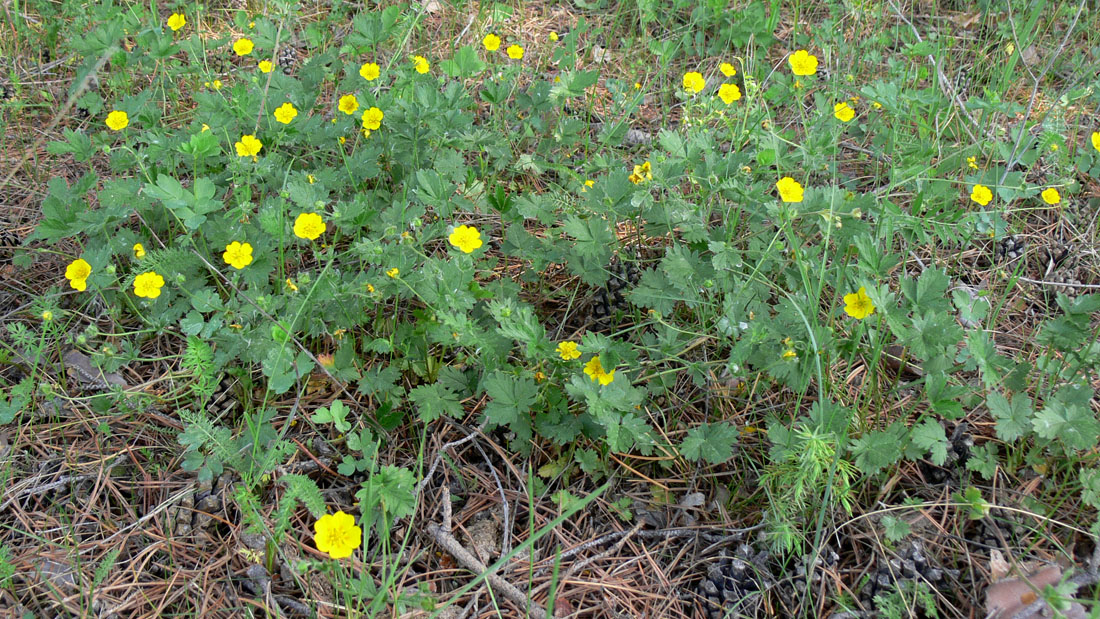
(441, 533)
(1036, 79)
(580, 565)
(945, 84)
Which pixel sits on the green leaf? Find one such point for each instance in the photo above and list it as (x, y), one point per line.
(511, 397)
(594, 237)
(1065, 418)
(877, 450)
(711, 442)
(434, 401)
(465, 63)
(1013, 419)
(895, 528)
(931, 436)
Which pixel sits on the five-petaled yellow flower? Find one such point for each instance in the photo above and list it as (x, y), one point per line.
(176, 21)
(421, 65)
(491, 42)
(858, 305)
(568, 351)
(1096, 140)
(370, 71)
(729, 93)
(337, 535)
(309, 226)
(466, 238)
(981, 194)
(803, 63)
(286, 113)
(238, 255)
(139, 250)
(515, 52)
(694, 82)
(1051, 196)
(972, 162)
(148, 285)
(77, 273)
(595, 371)
(348, 104)
(248, 146)
(394, 272)
(266, 66)
(843, 112)
(642, 173)
(727, 69)
(553, 36)
(243, 47)
(790, 190)
(372, 118)
(117, 120)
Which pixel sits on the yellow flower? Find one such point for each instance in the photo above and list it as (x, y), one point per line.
(981, 194)
(729, 93)
(803, 63)
(876, 105)
(148, 285)
(77, 273)
(205, 128)
(694, 82)
(642, 173)
(286, 113)
(370, 71)
(727, 69)
(553, 36)
(858, 305)
(249, 146)
(217, 84)
(47, 316)
(238, 255)
(1051, 196)
(588, 183)
(176, 21)
(465, 238)
(266, 66)
(365, 132)
(342, 139)
(594, 370)
(789, 355)
(637, 85)
(568, 351)
(372, 119)
(337, 535)
(348, 104)
(515, 52)
(139, 250)
(312, 179)
(1096, 140)
(117, 120)
(421, 64)
(370, 288)
(243, 47)
(789, 189)
(291, 285)
(309, 226)
(972, 162)
(491, 42)
(394, 272)
(843, 112)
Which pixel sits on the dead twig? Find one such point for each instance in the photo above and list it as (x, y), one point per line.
(441, 534)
